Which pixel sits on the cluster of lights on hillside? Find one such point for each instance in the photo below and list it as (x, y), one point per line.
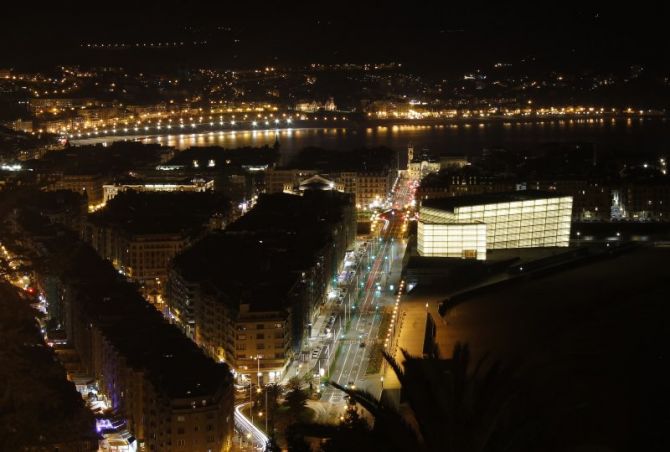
(416, 112)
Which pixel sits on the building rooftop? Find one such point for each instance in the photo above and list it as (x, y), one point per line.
(316, 182)
(47, 202)
(176, 367)
(267, 249)
(41, 406)
(567, 328)
(226, 158)
(255, 271)
(356, 160)
(563, 327)
(161, 212)
(488, 198)
(162, 178)
(98, 160)
(285, 212)
(173, 363)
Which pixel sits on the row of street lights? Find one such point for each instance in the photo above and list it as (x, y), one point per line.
(157, 127)
(394, 318)
(259, 374)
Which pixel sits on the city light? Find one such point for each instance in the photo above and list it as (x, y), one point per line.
(186, 201)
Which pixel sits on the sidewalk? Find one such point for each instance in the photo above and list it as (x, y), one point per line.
(316, 339)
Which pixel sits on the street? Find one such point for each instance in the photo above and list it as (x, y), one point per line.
(355, 343)
(347, 327)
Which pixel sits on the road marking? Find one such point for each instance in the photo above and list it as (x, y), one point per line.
(365, 318)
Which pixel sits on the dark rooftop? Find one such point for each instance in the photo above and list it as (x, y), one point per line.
(226, 158)
(176, 367)
(261, 256)
(243, 269)
(280, 211)
(162, 212)
(41, 406)
(116, 158)
(563, 331)
(358, 160)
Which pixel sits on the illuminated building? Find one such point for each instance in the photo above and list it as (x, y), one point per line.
(43, 103)
(252, 337)
(645, 200)
(171, 396)
(89, 184)
(32, 375)
(591, 199)
(314, 106)
(368, 174)
(140, 232)
(467, 226)
(418, 170)
(370, 188)
(194, 185)
(248, 295)
(22, 125)
(316, 182)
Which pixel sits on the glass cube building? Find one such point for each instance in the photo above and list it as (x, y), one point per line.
(467, 226)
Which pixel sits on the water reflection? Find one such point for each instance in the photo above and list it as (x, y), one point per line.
(458, 137)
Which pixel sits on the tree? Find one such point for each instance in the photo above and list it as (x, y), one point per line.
(295, 398)
(271, 445)
(272, 393)
(294, 383)
(390, 431)
(295, 439)
(352, 419)
(353, 433)
(453, 407)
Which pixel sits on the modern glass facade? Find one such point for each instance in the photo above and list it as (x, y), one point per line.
(452, 240)
(516, 220)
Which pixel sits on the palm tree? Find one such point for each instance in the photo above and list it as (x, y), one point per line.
(271, 445)
(273, 392)
(453, 409)
(295, 398)
(389, 427)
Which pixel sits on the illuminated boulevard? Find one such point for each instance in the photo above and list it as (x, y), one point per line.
(354, 347)
(249, 436)
(358, 326)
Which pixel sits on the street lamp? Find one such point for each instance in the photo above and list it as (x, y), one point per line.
(251, 402)
(266, 410)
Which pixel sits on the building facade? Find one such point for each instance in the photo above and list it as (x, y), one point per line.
(88, 184)
(256, 343)
(464, 240)
(144, 258)
(370, 188)
(454, 227)
(249, 295)
(448, 184)
(170, 395)
(645, 200)
(196, 185)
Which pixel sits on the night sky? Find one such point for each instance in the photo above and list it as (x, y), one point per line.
(420, 34)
